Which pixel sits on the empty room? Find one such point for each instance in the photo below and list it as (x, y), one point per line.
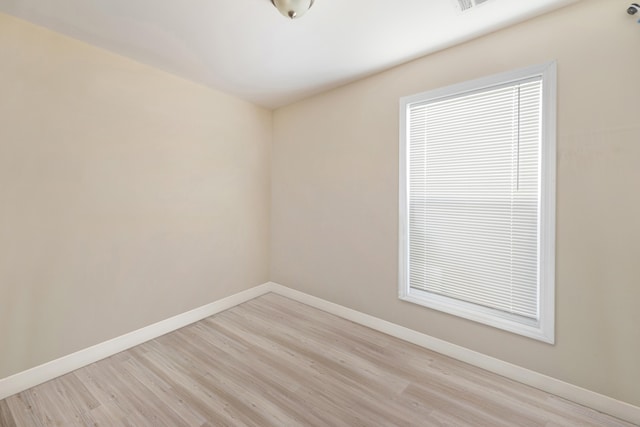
(319, 213)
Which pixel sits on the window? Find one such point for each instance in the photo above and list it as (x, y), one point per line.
(477, 200)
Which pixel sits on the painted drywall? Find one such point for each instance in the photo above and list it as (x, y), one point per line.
(335, 194)
(127, 195)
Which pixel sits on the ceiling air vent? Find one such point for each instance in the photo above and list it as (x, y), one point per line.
(468, 4)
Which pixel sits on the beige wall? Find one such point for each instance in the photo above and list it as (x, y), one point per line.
(335, 194)
(126, 195)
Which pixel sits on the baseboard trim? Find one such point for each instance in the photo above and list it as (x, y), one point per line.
(48, 371)
(599, 402)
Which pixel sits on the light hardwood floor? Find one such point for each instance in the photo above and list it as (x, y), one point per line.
(275, 362)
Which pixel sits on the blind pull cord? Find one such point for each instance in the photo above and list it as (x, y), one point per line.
(518, 145)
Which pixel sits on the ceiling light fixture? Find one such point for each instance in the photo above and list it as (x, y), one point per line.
(293, 8)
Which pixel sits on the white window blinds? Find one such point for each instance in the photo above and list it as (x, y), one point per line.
(474, 197)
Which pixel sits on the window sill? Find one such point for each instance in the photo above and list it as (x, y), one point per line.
(512, 323)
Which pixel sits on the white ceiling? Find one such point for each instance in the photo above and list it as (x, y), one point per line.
(246, 48)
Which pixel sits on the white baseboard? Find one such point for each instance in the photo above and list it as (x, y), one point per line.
(48, 371)
(551, 385)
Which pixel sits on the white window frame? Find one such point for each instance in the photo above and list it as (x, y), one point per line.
(544, 328)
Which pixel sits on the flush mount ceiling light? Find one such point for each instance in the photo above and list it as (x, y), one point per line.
(293, 8)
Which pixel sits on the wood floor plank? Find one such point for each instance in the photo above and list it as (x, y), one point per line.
(276, 362)
(6, 419)
(164, 393)
(265, 365)
(327, 372)
(22, 409)
(237, 371)
(199, 399)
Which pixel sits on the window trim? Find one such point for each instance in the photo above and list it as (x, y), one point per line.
(544, 328)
